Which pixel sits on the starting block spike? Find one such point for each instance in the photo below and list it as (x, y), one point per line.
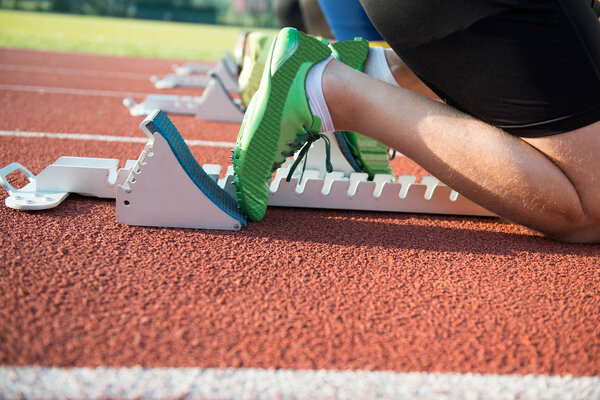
(28, 197)
(215, 104)
(223, 69)
(168, 188)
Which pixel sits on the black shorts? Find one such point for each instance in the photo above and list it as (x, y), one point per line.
(530, 67)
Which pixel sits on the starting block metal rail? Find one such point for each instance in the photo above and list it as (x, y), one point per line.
(166, 187)
(215, 104)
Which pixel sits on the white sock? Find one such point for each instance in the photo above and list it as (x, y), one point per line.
(314, 92)
(377, 66)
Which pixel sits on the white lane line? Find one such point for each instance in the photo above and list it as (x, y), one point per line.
(81, 92)
(196, 383)
(107, 138)
(74, 71)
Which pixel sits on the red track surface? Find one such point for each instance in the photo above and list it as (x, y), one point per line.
(301, 289)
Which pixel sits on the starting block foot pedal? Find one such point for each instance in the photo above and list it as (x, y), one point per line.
(164, 187)
(168, 188)
(216, 104)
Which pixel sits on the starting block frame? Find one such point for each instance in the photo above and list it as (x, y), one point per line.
(192, 68)
(226, 71)
(215, 104)
(166, 187)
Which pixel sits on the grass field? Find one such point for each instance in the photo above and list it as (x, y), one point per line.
(115, 36)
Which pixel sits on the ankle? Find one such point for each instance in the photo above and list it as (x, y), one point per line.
(314, 93)
(336, 85)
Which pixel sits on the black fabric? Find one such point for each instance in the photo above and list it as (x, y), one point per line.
(530, 67)
(596, 7)
(289, 14)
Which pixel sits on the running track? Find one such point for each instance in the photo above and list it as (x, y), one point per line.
(285, 307)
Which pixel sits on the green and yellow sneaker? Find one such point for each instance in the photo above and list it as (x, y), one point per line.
(278, 120)
(256, 51)
(363, 153)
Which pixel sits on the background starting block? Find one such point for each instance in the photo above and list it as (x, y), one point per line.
(215, 104)
(226, 71)
(191, 68)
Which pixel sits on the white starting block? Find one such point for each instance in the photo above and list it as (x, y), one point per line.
(383, 193)
(225, 70)
(166, 187)
(215, 104)
(96, 177)
(191, 68)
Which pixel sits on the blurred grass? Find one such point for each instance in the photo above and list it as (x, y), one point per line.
(115, 36)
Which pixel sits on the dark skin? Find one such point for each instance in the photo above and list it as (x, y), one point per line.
(549, 184)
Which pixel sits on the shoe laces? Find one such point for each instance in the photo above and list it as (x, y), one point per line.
(311, 137)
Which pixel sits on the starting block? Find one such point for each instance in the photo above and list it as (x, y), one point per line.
(215, 104)
(191, 68)
(226, 71)
(166, 187)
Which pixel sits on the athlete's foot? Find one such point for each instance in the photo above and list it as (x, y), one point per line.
(278, 121)
(362, 152)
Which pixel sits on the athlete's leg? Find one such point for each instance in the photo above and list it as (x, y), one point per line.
(548, 184)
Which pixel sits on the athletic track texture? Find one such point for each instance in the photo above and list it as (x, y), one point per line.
(304, 289)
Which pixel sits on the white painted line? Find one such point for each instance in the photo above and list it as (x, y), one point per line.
(107, 138)
(74, 71)
(80, 92)
(196, 383)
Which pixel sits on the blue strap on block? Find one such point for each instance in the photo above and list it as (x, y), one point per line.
(161, 124)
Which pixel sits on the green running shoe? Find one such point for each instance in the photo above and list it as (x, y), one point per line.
(278, 120)
(257, 47)
(362, 153)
